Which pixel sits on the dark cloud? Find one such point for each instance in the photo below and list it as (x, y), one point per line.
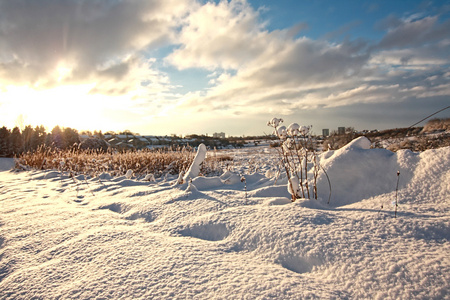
(37, 37)
(405, 33)
(307, 62)
(391, 21)
(117, 71)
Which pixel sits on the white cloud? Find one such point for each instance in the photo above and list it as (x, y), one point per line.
(277, 73)
(411, 58)
(223, 35)
(281, 76)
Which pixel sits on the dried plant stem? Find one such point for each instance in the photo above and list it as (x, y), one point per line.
(300, 159)
(295, 156)
(306, 173)
(329, 182)
(245, 188)
(396, 194)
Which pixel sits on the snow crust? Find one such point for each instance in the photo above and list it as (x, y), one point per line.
(221, 238)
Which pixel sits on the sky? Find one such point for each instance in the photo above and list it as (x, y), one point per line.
(182, 67)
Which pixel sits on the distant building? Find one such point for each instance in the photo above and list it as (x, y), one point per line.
(219, 135)
(325, 132)
(341, 130)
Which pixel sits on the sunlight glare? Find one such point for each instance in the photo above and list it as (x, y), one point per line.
(66, 106)
(63, 72)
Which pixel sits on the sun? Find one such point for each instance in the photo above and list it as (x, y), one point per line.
(66, 106)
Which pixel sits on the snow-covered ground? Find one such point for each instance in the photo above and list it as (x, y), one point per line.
(220, 238)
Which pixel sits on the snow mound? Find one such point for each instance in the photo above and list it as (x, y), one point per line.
(205, 183)
(230, 178)
(359, 143)
(357, 172)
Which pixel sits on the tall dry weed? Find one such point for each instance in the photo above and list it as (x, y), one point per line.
(93, 163)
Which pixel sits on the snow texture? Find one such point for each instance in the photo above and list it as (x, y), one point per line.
(119, 238)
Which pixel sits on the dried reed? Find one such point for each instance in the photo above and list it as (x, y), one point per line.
(143, 162)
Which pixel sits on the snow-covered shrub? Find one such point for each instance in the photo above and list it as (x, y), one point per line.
(298, 158)
(194, 169)
(129, 174)
(149, 177)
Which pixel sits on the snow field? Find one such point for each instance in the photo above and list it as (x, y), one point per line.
(122, 238)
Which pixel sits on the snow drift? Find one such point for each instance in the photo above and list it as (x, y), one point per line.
(358, 172)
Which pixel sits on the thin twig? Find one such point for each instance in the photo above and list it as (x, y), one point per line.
(396, 194)
(329, 182)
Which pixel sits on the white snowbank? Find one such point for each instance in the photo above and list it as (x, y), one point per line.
(357, 172)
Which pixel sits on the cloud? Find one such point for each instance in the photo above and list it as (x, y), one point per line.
(413, 43)
(412, 59)
(219, 35)
(135, 76)
(413, 32)
(272, 69)
(253, 71)
(276, 73)
(89, 41)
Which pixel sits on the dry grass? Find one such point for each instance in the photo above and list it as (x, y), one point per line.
(437, 124)
(93, 163)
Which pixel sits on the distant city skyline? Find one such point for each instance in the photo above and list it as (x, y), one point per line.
(196, 67)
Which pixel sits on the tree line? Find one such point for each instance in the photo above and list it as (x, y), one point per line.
(14, 142)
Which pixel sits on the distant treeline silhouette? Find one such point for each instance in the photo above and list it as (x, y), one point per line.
(15, 142)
